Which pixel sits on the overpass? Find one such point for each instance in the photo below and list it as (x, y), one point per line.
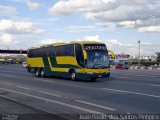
(14, 51)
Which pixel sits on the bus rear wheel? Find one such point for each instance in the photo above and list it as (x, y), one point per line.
(43, 73)
(37, 72)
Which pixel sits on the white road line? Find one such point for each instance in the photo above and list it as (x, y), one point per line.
(15, 85)
(6, 83)
(38, 108)
(34, 90)
(129, 92)
(43, 80)
(55, 102)
(155, 85)
(35, 79)
(121, 77)
(142, 75)
(22, 87)
(50, 94)
(96, 105)
(8, 98)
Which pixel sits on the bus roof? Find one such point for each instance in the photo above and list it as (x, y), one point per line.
(65, 43)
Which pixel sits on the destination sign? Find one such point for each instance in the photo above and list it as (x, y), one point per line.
(95, 47)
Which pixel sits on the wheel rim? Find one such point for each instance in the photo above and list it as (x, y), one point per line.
(73, 75)
(42, 73)
(37, 73)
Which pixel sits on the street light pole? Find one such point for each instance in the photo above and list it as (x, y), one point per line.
(139, 42)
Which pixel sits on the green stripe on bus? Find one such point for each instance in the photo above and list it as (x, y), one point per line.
(49, 72)
(54, 64)
(47, 68)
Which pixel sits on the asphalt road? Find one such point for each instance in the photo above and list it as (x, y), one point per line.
(126, 91)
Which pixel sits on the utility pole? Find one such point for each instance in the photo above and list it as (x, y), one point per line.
(139, 43)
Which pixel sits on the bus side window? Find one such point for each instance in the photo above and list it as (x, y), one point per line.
(50, 51)
(29, 53)
(69, 50)
(79, 55)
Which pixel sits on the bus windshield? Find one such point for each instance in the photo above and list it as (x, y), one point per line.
(97, 59)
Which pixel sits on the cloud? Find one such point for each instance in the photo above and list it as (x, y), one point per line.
(47, 41)
(96, 27)
(98, 9)
(149, 29)
(79, 28)
(7, 10)
(7, 39)
(147, 48)
(90, 38)
(31, 5)
(123, 13)
(127, 24)
(119, 47)
(13, 27)
(67, 7)
(51, 41)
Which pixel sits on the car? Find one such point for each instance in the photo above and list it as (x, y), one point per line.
(5, 62)
(122, 66)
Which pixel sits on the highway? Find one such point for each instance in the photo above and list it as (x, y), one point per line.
(126, 91)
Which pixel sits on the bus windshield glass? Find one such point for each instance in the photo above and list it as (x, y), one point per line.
(97, 56)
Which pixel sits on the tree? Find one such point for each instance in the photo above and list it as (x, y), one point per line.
(158, 56)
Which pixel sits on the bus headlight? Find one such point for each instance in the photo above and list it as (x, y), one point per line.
(89, 72)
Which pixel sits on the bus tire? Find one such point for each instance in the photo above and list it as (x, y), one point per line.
(37, 72)
(72, 75)
(43, 73)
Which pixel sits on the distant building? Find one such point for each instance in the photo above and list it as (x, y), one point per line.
(121, 58)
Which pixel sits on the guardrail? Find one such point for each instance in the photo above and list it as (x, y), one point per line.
(140, 67)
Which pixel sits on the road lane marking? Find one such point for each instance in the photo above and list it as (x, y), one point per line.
(96, 105)
(15, 86)
(155, 85)
(143, 75)
(50, 94)
(129, 92)
(8, 98)
(6, 83)
(19, 102)
(121, 77)
(11, 71)
(34, 79)
(22, 87)
(55, 102)
(44, 80)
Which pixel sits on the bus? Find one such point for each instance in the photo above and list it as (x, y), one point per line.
(86, 60)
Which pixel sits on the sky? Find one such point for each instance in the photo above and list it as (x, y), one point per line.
(117, 23)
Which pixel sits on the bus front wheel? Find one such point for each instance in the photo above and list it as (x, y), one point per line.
(72, 75)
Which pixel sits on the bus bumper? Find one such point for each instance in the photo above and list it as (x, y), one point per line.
(89, 75)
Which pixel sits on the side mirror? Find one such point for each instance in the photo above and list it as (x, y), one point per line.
(112, 53)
